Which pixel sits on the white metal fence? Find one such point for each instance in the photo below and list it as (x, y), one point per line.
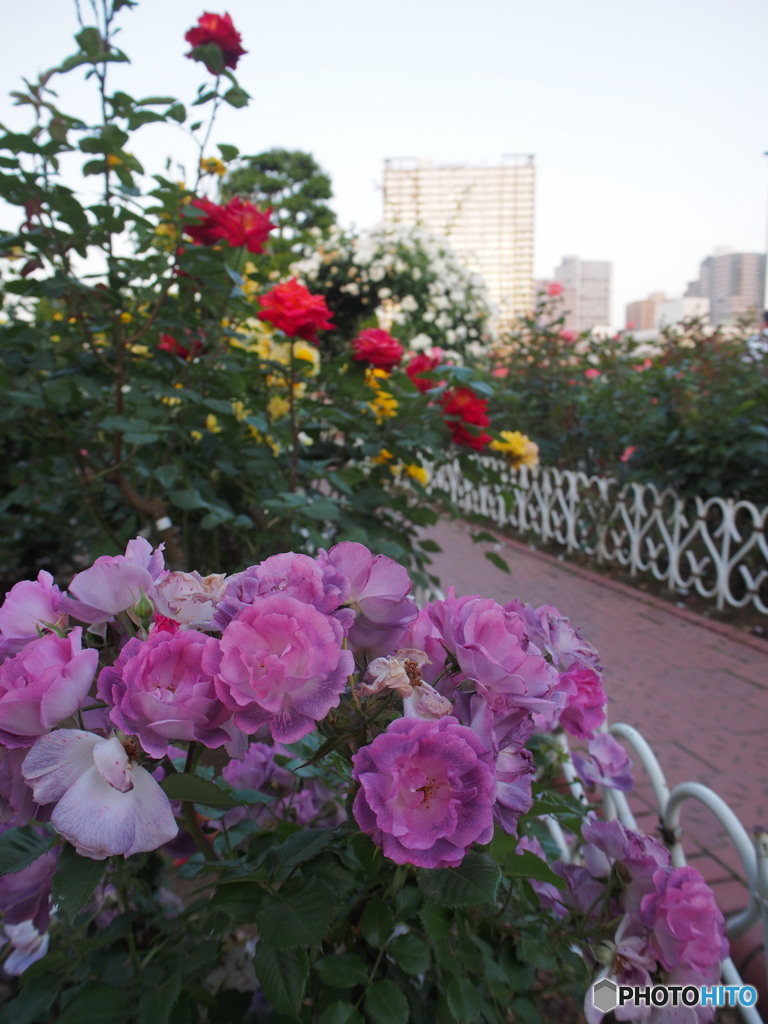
(715, 547)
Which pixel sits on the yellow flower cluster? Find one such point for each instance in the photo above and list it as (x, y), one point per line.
(210, 165)
(518, 449)
(411, 469)
(384, 405)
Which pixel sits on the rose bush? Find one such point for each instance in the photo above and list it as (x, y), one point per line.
(168, 380)
(686, 412)
(246, 816)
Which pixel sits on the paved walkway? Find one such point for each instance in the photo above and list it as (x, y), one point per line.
(697, 690)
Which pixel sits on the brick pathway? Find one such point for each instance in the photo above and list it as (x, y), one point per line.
(697, 690)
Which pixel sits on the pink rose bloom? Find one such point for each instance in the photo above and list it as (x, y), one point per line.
(46, 682)
(160, 691)
(281, 663)
(591, 373)
(114, 583)
(189, 598)
(503, 678)
(105, 803)
(28, 608)
(319, 585)
(554, 634)
(426, 791)
(607, 764)
(687, 924)
(378, 593)
(585, 701)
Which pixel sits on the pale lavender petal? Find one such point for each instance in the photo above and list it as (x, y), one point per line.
(56, 762)
(154, 823)
(112, 762)
(98, 820)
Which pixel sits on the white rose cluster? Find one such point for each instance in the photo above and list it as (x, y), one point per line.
(410, 280)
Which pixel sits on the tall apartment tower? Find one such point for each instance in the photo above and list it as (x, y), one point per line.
(484, 212)
(734, 283)
(588, 285)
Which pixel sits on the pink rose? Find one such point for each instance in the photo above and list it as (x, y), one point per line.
(189, 598)
(585, 701)
(426, 791)
(46, 682)
(688, 926)
(28, 608)
(114, 583)
(378, 590)
(280, 662)
(378, 348)
(161, 692)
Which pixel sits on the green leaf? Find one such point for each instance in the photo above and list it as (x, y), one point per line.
(482, 537)
(188, 499)
(473, 883)
(19, 847)
(385, 1003)
(32, 1001)
(340, 1013)
(228, 152)
(377, 923)
(300, 847)
(240, 899)
(528, 865)
(96, 1004)
(410, 952)
(463, 1000)
(436, 921)
(182, 786)
(75, 879)
(236, 97)
(298, 915)
(283, 977)
(155, 1005)
(497, 560)
(343, 970)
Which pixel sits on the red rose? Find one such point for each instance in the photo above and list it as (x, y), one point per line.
(218, 29)
(295, 311)
(238, 223)
(377, 348)
(168, 343)
(464, 409)
(419, 364)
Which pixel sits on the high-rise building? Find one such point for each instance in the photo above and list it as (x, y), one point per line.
(734, 283)
(588, 285)
(641, 315)
(484, 212)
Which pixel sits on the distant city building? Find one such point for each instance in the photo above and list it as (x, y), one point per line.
(674, 311)
(484, 212)
(641, 315)
(587, 293)
(734, 284)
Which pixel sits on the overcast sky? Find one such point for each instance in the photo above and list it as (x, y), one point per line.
(647, 120)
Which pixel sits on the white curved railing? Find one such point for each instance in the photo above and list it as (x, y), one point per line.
(716, 547)
(753, 854)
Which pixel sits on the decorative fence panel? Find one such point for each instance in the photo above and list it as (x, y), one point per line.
(715, 547)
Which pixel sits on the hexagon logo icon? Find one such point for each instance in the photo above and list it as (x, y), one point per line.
(604, 995)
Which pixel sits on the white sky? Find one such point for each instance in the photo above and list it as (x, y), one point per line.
(647, 120)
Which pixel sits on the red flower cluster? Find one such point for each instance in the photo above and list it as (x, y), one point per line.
(377, 348)
(238, 223)
(292, 309)
(168, 343)
(419, 364)
(465, 416)
(218, 29)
